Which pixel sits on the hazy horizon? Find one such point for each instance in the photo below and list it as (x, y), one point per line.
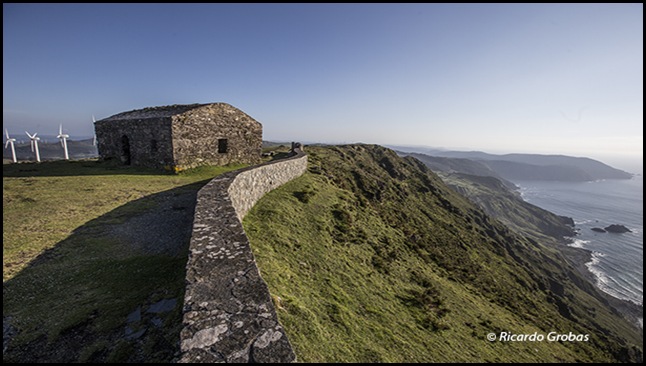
(527, 78)
(631, 164)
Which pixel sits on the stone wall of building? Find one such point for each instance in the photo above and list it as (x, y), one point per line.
(200, 135)
(181, 136)
(228, 312)
(147, 142)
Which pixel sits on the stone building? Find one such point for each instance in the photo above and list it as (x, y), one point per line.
(180, 136)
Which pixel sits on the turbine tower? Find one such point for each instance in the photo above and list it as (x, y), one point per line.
(34, 144)
(63, 138)
(94, 138)
(10, 141)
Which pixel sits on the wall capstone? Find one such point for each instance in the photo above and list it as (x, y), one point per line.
(228, 312)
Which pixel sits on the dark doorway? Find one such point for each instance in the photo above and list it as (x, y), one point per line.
(223, 146)
(125, 150)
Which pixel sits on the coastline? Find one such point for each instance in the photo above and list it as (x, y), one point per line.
(579, 258)
(575, 248)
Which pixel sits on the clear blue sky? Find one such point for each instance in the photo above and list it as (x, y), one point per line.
(500, 78)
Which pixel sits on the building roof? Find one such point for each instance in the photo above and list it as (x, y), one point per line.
(161, 112)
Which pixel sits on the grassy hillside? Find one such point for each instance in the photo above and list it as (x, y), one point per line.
(370, 257)
(88, 245)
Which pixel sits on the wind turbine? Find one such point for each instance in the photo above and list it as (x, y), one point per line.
(10, 141)
(34, 143)
(94, 138)
(63, 138)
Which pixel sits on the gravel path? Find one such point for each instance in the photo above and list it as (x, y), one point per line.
(163, 229)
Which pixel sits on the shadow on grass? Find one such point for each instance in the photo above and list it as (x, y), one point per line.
(61, 168)
(90, 297)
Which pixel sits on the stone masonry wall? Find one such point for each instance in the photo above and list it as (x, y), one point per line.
(228, 312)
(197, 133)
(140, 134)
(181, 136)
(250, 185)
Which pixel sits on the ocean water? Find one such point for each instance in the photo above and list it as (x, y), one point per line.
(617, 259)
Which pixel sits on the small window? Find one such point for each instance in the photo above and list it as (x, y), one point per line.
(223, 146)
(153, 146)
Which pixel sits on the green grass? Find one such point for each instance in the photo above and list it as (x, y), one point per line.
(44, 203)
(65, 273)
(371, 258)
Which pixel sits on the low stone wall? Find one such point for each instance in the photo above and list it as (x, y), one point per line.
(228, 312)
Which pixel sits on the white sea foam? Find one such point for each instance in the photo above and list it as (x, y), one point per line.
(620, 272)
(578, 243)
(635, 231)
(604, 282)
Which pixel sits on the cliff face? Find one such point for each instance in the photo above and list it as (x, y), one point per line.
(371, 257)
(459, 165)
(498, 201)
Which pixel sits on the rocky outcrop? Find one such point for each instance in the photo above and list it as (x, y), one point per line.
(614, 228)
(228, 312)
(619, 229)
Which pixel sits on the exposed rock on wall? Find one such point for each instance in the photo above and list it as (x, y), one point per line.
(228, 312)
(132, 142)
(197, 135)
(249, 186)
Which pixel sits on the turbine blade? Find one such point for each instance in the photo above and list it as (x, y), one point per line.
(7, 132)
(93, 120)
(6, 145)
(60, 129)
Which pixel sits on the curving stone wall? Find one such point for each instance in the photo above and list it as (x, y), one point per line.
(228, 312)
